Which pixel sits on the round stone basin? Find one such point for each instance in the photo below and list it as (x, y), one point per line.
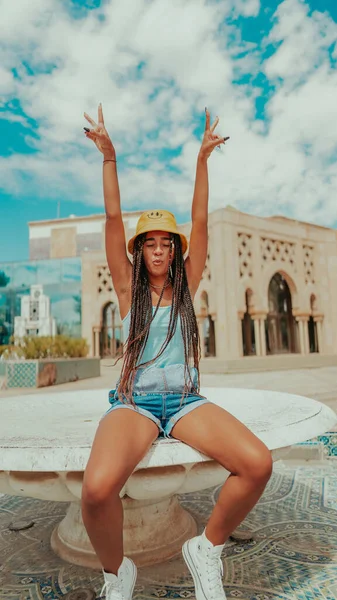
(46, 441)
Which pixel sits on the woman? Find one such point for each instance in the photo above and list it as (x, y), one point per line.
(159, 386)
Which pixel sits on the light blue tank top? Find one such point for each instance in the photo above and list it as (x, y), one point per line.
(174, 351)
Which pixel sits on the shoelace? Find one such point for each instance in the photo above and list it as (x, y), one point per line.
(113, 589)
(215, 573)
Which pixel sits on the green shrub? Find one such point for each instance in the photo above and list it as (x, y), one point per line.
(59, 346)
(10, 350)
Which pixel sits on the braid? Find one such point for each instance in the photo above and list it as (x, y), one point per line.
(141, 318)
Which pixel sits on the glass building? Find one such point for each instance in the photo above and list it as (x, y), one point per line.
(62, 256)
(61, 280)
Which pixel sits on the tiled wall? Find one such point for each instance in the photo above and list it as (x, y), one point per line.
(34, 373)
(21, 374)
(328, 440)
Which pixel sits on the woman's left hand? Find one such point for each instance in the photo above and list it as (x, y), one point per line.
(210, 139)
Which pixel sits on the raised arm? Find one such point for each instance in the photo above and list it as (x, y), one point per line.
(119, 264)
(196, 259)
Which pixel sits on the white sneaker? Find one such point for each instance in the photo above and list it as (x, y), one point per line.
(120, 586)
(205, 565)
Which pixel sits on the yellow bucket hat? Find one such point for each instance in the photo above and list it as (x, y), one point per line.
(161, 220)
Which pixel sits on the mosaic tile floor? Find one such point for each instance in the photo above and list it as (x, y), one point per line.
(328, 441)
(293, 554)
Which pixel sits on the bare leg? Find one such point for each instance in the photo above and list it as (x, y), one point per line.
(237, 497)
(122, 439)
(219, 435)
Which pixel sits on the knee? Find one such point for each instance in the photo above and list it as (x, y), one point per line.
(259, 466)
(98, 488)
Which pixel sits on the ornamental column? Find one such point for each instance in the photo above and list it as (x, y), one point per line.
(96, 332)
(302, 321)
(256, 319)
(260, 333)
(213, 316)
(241, 315)
(201, 336)
(263, 335)
(301, 334)
(318, 319)
(306, 335)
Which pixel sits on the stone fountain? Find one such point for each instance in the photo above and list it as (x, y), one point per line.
(46, 441)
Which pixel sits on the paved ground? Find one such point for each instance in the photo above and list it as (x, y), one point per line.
(292, 556)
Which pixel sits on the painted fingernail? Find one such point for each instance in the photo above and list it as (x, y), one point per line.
(86, 129)
(205, 108)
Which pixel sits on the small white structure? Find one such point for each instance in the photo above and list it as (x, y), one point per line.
(35, 318)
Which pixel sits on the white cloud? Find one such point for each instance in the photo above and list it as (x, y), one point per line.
(247, 8)
(304, 42)
(6, 81)
(187, 61)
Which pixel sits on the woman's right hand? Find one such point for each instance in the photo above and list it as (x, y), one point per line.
(99, 135)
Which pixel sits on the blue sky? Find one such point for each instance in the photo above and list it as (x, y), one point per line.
(268, 69)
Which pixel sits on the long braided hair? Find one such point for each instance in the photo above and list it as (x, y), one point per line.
(141, 318)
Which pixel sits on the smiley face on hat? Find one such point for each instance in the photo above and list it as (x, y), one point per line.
(162, 220)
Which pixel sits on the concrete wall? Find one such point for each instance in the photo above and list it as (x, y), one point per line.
(41, 373)
(63, 242)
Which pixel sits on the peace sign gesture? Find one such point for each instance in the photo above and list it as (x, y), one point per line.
(99, 135)
(210, 139)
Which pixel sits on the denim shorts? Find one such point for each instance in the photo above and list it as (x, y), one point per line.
(157, 394)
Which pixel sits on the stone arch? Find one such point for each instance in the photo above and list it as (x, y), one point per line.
(97, 293)
(313, 303)
(111, 333)
(289, 277)
(249, 300)
(281, 326)
(254, 299)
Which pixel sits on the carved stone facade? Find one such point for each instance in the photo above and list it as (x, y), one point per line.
(104, 281)
(268, 287)
(245, 255)
(273, 250)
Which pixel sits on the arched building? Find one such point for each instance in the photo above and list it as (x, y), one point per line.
(268, 287)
